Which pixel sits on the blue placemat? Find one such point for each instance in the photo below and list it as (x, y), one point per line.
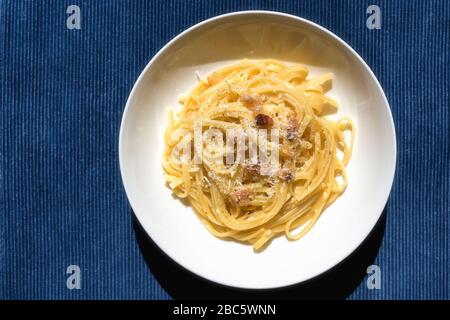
(62, 94)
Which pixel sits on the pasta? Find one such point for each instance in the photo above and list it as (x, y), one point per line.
(301, 155)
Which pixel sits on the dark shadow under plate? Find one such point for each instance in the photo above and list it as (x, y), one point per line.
(337, 283)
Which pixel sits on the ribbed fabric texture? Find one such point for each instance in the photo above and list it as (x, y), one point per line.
(62, 94)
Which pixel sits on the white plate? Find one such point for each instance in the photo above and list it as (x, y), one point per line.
(220, 41)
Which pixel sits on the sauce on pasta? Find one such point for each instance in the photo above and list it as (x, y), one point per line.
(242, 200)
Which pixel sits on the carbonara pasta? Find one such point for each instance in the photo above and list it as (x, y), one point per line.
(287, 158)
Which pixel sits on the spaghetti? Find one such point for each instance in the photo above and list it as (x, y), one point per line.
(242, 200)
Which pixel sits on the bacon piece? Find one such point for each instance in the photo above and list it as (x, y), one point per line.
(292, 130)
(263, 120)
(242, 196)
(251, 172)
(252, 168)
(286, 174)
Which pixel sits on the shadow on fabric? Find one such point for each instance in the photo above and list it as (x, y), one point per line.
(337, 283)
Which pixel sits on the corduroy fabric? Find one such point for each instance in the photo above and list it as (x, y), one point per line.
(62, 94)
